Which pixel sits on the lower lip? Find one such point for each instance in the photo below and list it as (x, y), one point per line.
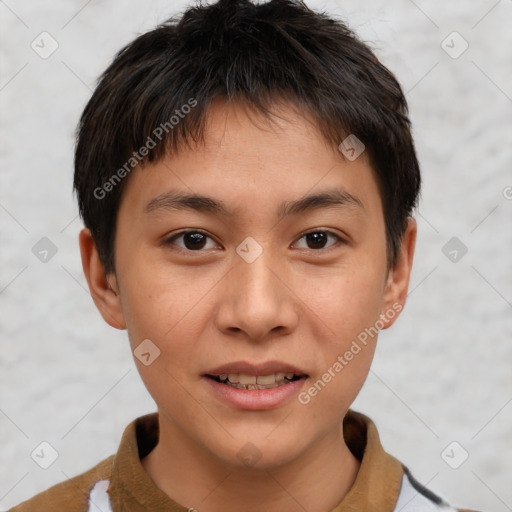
(255, 399)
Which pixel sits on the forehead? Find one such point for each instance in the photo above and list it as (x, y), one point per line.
(249, 160)
(285, 127)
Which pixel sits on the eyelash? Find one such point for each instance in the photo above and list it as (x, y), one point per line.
(174, 237)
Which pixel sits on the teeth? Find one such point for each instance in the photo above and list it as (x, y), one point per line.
(256, 386)
(263, 380)
(247, 379)
(244, 381)
(266, 379)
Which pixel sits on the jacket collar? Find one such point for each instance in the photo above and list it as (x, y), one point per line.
(376, 487)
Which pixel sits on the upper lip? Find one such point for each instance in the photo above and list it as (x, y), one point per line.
(265, 368)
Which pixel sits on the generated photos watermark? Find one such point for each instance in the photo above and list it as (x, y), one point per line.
(138, 156)
(343, 360)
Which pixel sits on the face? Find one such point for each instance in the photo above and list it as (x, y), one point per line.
(259, 257)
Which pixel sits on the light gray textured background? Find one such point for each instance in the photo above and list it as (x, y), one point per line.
(443, 373)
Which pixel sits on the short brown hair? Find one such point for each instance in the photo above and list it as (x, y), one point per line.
(238, 50)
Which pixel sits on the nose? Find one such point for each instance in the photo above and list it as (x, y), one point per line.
(256, 300)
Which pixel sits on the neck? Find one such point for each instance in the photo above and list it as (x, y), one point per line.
(317, 479)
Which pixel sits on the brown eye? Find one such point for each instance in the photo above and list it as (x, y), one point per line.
(194, 241)
(190, 240)
(317, 240)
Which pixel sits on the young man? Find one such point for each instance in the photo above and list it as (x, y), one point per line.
(246, 175)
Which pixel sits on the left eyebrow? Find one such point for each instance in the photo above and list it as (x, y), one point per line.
(337, 197)
(329, 198)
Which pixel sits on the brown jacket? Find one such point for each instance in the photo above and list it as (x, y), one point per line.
(120, 483)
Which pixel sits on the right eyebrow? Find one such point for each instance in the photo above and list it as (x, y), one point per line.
(179, 201)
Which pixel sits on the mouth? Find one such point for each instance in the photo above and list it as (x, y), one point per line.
(255, 387)
(253, 382)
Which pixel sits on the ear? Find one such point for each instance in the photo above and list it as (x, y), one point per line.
(103, 287)
(397, 283)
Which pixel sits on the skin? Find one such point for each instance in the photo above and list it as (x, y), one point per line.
(295, 303)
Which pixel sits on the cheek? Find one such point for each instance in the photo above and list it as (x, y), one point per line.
(348, 314)
(165, 321)
(159, 299)
(170, 310)
(170, 323)
(347, 309)
(346, 301)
